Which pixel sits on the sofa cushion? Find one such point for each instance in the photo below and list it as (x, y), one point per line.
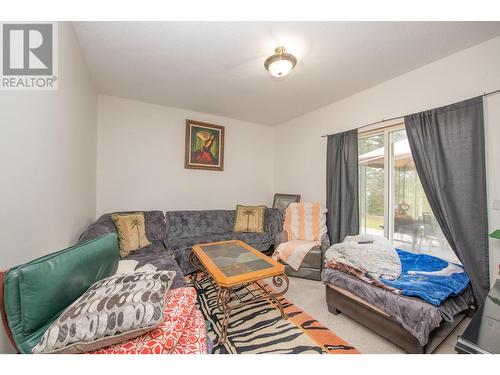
(36, 293)
(131, 232)
(183, 224)
(112, 310)
(157, 255)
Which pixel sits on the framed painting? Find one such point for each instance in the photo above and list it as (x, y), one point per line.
(282, 201)
(204, 148)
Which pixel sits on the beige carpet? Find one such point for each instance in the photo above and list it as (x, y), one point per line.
(310, 296)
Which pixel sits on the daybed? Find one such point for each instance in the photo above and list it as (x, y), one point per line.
(409, 322)
(413, 299)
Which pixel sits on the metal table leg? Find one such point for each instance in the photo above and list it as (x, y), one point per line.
(225, 304)
(224, 301)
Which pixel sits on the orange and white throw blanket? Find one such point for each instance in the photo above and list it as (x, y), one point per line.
(305, 224)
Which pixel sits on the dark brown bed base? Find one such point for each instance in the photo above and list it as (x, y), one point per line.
(384, 325)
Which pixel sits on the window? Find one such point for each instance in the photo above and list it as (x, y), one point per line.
(392, 202)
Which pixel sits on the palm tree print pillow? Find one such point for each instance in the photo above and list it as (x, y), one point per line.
(131, 232)
(249, 219)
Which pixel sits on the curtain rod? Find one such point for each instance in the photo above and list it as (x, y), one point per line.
(396, 117)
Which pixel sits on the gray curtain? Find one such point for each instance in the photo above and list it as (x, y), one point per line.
(342, 185)
(447, 145)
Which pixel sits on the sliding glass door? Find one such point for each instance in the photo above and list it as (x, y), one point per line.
(392, 201)
(372, 184)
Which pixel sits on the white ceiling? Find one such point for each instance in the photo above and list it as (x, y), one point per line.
(217, 67)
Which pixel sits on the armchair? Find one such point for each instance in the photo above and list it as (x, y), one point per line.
(312, 265)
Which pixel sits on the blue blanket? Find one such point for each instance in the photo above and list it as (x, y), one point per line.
(430, 278)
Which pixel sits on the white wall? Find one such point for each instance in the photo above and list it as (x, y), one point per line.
(47, 162)
(140, 163)
(300, 152)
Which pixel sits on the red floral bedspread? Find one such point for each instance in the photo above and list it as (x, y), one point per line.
(182, 332)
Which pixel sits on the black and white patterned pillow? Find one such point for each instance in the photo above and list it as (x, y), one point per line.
(112, 310)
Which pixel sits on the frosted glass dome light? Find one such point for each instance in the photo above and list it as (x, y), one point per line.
(280, 68)
(281, 63)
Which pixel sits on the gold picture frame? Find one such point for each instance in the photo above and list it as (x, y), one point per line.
(204, 147)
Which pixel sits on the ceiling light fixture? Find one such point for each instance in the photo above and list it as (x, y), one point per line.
(281, 63)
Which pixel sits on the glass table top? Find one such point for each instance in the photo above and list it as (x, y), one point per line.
(233, 259)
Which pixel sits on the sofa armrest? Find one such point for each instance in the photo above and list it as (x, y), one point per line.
(283, 237)
(93, 231)
(273, 223)
(280, 238)
(325, 243)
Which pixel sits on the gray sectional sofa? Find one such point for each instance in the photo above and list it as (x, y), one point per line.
(154, 254)
(186, 228)
(173, 235)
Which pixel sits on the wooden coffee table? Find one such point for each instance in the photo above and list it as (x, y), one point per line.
(233, 265)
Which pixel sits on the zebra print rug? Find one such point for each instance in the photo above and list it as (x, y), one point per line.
(258, 328)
